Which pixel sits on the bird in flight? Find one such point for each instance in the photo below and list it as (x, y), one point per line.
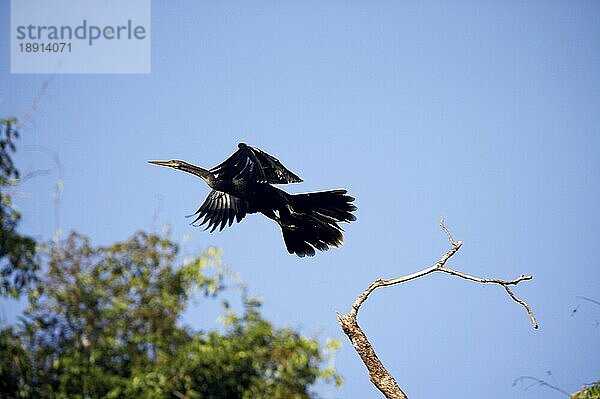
(243, 184)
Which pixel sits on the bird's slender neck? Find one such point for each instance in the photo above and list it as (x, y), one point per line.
(204, 174)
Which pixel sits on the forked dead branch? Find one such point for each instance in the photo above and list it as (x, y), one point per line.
(378, 374)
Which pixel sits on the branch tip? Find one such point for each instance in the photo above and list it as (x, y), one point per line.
(445, 230)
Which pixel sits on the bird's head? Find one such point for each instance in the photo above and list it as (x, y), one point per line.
(172, 163)
(206, 175)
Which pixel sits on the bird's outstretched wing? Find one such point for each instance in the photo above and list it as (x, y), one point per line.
(220, 208)
(254, 165)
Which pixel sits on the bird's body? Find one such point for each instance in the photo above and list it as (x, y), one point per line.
(259, 197)
(242, 184)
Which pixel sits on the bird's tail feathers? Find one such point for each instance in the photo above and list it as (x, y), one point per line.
(335, 205)
(313, 221)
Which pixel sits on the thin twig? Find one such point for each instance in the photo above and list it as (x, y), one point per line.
(384, 283)
(505, 284)
(36, 101)
(537, 381)
(589, 299)
(524, 304)
(443, 226)
(35, 173)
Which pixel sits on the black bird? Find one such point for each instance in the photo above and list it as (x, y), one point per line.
(242, 184)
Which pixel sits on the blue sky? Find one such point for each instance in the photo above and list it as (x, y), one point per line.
(483, 112)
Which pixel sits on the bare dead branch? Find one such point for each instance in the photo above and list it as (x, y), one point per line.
(378, 374)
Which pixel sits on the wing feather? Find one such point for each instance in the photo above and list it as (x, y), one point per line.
(219, 210)
(214, 222)
(254, 165)
(227, 211)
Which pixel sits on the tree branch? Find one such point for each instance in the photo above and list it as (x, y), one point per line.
(378, 374)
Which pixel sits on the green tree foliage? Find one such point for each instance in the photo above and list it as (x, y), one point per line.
(590, 392)
(17, 252)
(14, 366)
(103, 322)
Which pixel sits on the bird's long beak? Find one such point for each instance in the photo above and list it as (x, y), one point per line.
(171, 164)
